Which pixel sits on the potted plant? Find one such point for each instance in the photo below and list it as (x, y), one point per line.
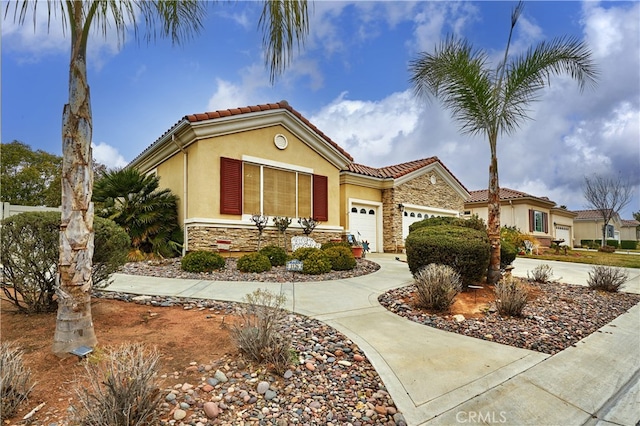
(356, 246)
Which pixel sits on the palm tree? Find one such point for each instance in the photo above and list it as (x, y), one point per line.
(282, 21)
(148, 214)
(494, 101)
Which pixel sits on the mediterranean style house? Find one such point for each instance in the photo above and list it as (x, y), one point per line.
(537, 216)
(229, 165)
(589, 225)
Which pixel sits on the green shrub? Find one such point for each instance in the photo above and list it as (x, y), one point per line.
(15, 380)
(276, 255)
(316, 263)
(508, 253)
(121, 389)
(586, 243)
(335, 244)
(304, 252)
(341, 258)
(511, 296)
(607, 278)
(613, 243)
(512, 235)
(202, 261)
(628, 244)
(30, 255)
(437, 286)
(466, 250)
(254, 262)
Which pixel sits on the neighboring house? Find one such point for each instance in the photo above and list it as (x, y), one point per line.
(537, 216)
(268, 159)
(13, 209)
(589, 225)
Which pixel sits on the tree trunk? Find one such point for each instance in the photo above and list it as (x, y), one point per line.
(74, 325)
(493, 222)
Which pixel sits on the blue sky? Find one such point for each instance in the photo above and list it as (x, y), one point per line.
(351, 81)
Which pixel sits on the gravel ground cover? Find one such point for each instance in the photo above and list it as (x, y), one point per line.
(558, 316)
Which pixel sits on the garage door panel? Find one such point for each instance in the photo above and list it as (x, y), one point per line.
(363, 224)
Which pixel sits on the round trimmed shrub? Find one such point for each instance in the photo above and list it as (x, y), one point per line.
(254, 262)
(341, 258)
(316, 263)
(335, 244)
(508, 253)
(474, 222)
(201, 261)
(277, 256)
(304, 252)
(466, 250)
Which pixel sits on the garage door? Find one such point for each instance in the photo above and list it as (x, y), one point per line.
(563, 233)
(363, 224)
(408, 218)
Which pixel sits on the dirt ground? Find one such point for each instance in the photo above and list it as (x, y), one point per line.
(181, 336)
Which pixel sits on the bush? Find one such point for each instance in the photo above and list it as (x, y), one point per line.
(607, 278)
(613, 243)
(30, 255)
(330, 244)
(466, 250)
(254, 262)
(316, 263)
(304, 252)
(586, 243)
(15, 380)
(276, 255)
(121, 389)
(437, 286)
(628, 244)
(508, 253)
(341, 258)
(201, 261)
(259, 334)
(607, 249)
(541, 273)
(511, 296)
(474, 222)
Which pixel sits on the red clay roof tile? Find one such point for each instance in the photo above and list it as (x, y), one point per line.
(505, 194)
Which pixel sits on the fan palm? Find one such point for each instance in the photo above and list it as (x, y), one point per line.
(494, 101)
(149, 215)
(283, 22)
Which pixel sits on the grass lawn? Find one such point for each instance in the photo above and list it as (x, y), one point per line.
(593, 257)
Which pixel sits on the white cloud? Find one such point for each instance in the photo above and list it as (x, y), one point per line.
(106, 154)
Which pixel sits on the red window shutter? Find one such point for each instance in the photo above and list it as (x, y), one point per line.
(320, 198)
(532, 220)
(545, 223)
(230, 186)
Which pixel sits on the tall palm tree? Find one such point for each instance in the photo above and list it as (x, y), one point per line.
(494, 101)
(148, 214)
(283, 22)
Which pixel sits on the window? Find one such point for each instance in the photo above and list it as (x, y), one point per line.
(259, 189)
(610, 231)
(538, 221)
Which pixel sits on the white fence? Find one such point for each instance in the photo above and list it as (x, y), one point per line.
(13, 209)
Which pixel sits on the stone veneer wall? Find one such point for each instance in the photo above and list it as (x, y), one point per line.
(246, 239)
(419, 191)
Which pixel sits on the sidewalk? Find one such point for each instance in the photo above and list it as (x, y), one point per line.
(437, 377)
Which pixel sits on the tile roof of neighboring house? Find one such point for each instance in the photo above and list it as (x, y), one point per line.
(398, 170)
(588, 215)
(505, 194)
(632, 222)
(194, 118)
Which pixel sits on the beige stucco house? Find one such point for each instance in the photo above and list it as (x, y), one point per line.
(589, 227)
(228, 165)
(538, 216)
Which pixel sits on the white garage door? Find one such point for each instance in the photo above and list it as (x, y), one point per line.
(563, 233)
(363, 224)
(409, 217)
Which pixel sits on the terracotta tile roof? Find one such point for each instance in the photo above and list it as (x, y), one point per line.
(505, 194)
(193, 118)
(632, 222)
(588, 215)
(398, 170)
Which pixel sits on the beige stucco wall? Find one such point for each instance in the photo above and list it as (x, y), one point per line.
(355, 192)
(628, 233)
(171, 174)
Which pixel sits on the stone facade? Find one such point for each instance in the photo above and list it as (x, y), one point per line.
(419, 191)
(246, 239)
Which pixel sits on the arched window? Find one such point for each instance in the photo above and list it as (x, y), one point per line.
(354, 210)
(363, 211)
(412, 214)
(372, 212)
(419, 214)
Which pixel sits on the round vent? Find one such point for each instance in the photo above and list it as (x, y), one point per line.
(280, 141)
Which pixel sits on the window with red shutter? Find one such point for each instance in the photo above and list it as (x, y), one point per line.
(320, 198)
(230, 186)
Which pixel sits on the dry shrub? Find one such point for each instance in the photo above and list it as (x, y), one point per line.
(437, 286)
(121, 388)
(607, 278)
(541, 273)
(258, 333)
(511, 296)
(15, 380)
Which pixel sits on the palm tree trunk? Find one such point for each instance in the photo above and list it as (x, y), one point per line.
(74, 325)
(493, 222)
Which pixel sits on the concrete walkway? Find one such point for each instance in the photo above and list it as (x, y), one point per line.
(436, 377)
